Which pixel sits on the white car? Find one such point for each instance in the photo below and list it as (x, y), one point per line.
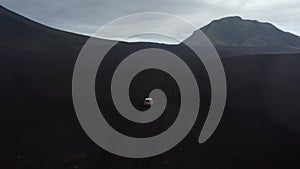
(148, 102)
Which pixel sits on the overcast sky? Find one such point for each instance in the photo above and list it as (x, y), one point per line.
(86, 16)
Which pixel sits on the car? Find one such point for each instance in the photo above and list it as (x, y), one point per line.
(148, 102)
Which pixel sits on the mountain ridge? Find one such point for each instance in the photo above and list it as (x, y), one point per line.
(230, 35)
(235, 33)
(23, 33)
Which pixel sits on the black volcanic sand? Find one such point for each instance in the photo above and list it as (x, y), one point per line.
(259, 129)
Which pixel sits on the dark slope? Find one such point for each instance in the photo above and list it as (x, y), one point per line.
(233, 34)
(40, 129)
(21, 33)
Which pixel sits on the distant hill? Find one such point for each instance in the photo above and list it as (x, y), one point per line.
(234, 34)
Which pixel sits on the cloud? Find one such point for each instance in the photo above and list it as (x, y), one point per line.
(86, 16)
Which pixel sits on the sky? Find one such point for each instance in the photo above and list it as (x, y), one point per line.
(86, 16)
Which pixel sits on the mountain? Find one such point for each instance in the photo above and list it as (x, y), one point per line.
(231, 36)
(234, 34)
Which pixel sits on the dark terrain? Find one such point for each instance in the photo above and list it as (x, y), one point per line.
(260, 127)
